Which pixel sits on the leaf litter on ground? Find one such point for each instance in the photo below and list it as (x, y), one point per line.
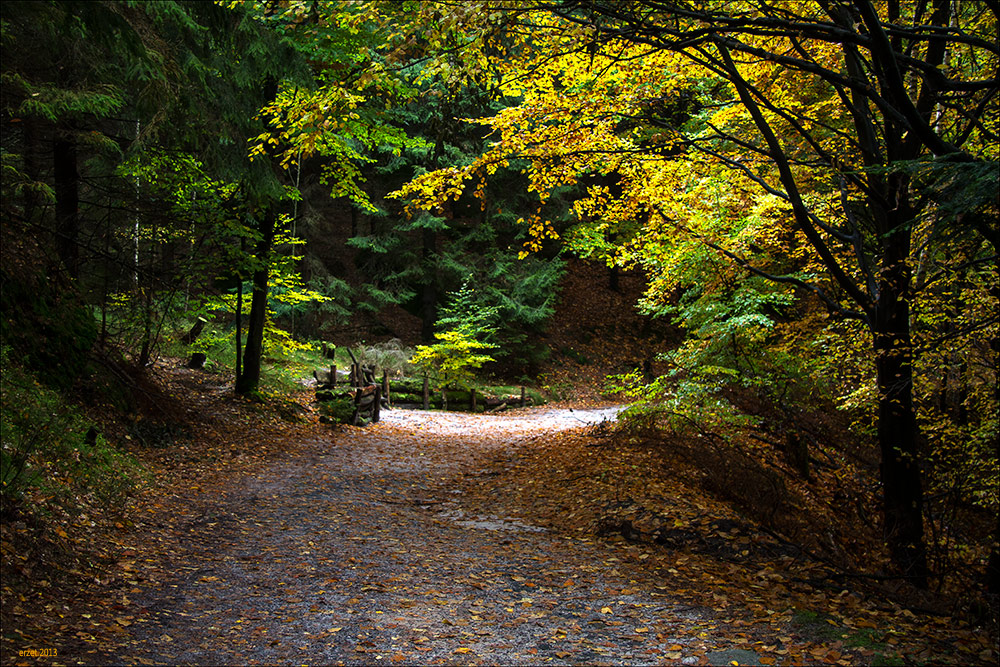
(435, 538)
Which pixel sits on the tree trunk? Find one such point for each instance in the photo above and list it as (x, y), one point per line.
(239, 326)
(254, 346)
(67, 190)
(249, 378)
(898, 434)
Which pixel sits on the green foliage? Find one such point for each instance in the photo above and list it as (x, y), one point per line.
(454, 359)
(289, 359)
(44, 449)
(288, 296)
(181, 181)
(467, 313)
(219, 343)
(736, 345)
(91, 81)
(336, 307)
(48, 329)
(523, 294)
(460, 350)
(338, 410)
(134, 321)
(413, 260)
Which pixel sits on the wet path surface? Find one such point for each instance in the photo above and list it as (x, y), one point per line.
(360, 552)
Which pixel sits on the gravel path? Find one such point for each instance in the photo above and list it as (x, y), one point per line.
(360, 552)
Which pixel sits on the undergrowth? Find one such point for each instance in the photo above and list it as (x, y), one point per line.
(52, 458)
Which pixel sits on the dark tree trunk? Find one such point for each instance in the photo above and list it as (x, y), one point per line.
(254, 347)
(898, 434)
(67, 190)
(239, 332)
(248, 374)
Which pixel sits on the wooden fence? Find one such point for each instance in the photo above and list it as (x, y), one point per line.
(370, 395)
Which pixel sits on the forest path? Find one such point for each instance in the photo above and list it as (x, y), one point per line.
(360, 551)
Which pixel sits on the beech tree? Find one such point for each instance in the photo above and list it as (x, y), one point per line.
(839, 125)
